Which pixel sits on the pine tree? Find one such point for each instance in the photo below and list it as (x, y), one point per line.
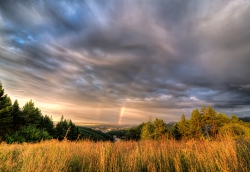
(211, 122)
(31, 115)
(16, 114)
(61, 129)
(195, 124)
(5, 113)
(47, 125)
(160, 129)
(74, 131)
(182, 126)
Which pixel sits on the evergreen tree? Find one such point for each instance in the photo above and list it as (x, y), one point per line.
(61, 129)
(47, 125)
(16, 114)
(73, 132)
(31, 115)
(204, 116)
(211, 121)
(182, 127)
(175, 132)
(160, 129)
(5, 113)
(195, 124)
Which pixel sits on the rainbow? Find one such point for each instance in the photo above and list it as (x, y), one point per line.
(121, 114)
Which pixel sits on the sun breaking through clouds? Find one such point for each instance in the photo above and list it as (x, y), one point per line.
(87, 59)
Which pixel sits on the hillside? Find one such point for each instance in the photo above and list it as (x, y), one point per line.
(96, 135)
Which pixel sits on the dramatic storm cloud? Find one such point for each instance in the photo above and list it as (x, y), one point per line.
(123, 61)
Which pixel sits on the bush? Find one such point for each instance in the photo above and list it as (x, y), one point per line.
(28, 134)
(234, 130)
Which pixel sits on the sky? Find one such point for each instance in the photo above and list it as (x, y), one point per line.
(117, 61)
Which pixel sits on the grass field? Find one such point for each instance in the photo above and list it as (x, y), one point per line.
(226, 155)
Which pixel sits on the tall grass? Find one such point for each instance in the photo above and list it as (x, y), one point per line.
(223, 155)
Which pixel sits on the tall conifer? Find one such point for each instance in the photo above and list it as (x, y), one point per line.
(5, 113)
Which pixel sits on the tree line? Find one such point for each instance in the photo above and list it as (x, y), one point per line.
(205, 123)
(28, 124)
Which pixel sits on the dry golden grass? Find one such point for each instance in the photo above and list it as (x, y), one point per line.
(171, 155)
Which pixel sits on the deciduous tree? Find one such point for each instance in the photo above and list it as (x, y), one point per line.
(147, 131)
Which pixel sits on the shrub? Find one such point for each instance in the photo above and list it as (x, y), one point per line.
(28, 134)
(234, 130)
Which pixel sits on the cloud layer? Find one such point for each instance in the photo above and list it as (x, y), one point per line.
(88, 60)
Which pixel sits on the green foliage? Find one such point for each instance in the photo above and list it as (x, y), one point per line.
(65, 129)
(5, 113)
(160, 129)
(203, 123)
(219, 124)
(29, 125)
(95, 135)
(16, 113)
(195, 124)
(28, 134)
(182, 127)
(47, 125)
(73, 132)
(234, 130)
(222, 119)
(31, 115)
(147, 131)
(134, 133)
(156, 130)
(61, 129)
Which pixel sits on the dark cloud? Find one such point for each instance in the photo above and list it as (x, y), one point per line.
(88, 59)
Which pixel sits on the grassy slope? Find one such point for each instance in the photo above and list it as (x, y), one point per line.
(227, 155)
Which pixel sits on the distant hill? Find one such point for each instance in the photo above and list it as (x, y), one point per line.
(245, 119)
(95, 135)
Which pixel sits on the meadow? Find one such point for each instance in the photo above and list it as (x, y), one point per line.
(127, 156)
